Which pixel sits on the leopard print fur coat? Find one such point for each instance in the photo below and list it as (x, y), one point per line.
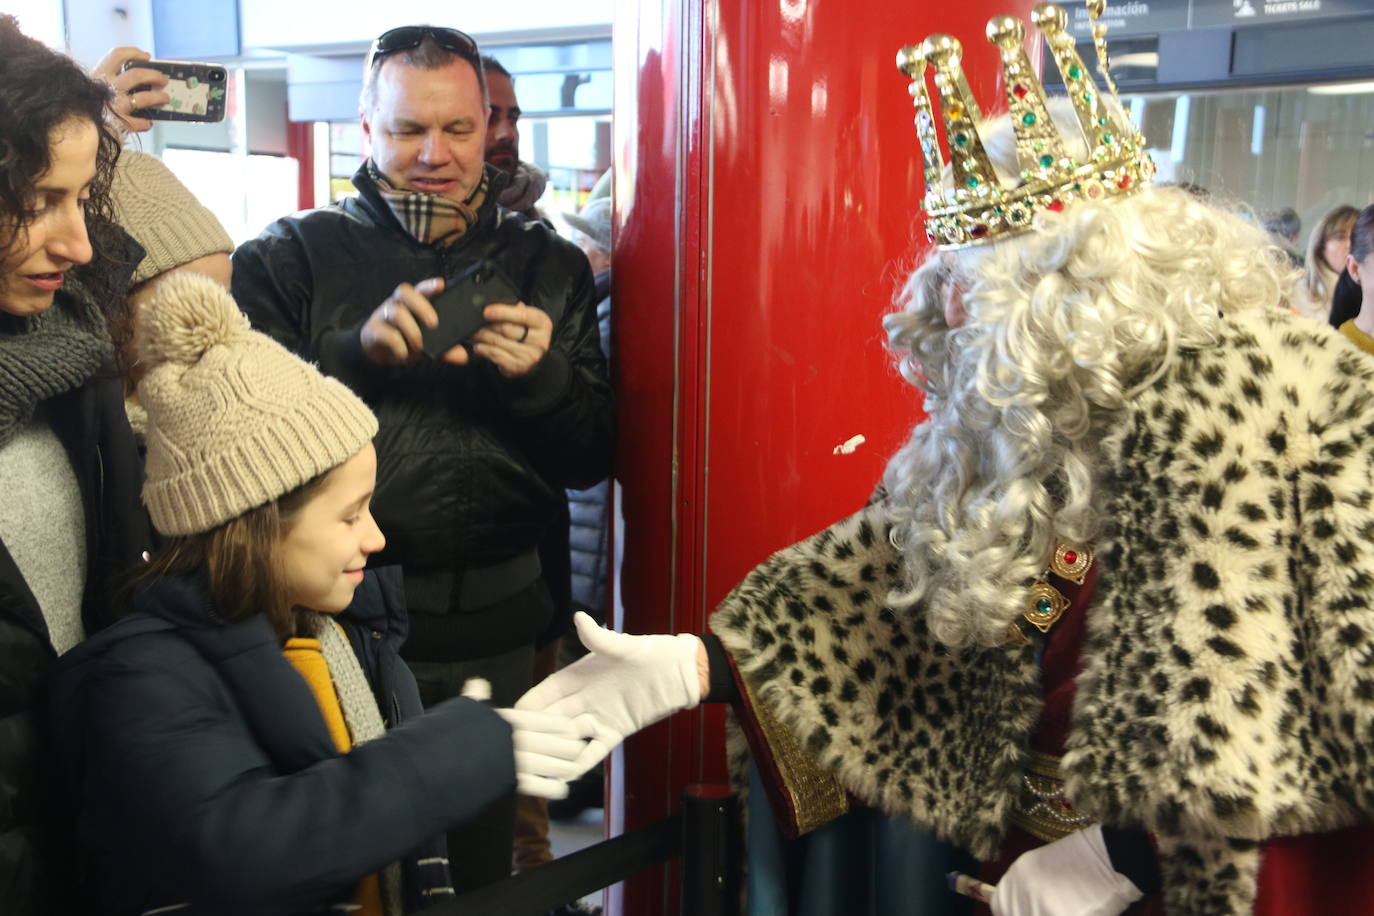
(1227, 694)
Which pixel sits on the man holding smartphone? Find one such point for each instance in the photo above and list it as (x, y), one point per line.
(475, 447)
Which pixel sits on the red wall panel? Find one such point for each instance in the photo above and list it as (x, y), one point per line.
(767, 188)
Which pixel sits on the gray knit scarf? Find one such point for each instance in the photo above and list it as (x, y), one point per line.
(44, 355)
(361, 715)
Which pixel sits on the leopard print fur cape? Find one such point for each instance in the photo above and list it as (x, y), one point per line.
(1227, 694)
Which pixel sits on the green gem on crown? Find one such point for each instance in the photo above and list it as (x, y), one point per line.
(1029, 118)
(972, 181)
(1107, 139)
(1046, 161)
(1043, 605)
(1075, 72)
(1088, 97)
(961, 139)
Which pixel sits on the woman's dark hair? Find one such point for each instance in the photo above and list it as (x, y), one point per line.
(239, 562)
(40, 91)
(1346, 299)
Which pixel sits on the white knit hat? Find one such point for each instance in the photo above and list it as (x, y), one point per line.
(594, 221)
(163, 216)
(234, 420)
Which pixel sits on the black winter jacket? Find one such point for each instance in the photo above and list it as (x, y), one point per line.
(470, 465)
(35, 843)
(205, 772)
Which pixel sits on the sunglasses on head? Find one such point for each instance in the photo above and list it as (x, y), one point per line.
(409, 37)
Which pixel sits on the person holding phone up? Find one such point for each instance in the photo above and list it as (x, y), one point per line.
(136, 89)
(476, 446)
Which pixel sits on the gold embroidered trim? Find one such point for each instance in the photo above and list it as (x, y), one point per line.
(817, 796)
(1042, 810)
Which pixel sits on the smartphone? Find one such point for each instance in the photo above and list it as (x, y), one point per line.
(460, 305)
(197, 90)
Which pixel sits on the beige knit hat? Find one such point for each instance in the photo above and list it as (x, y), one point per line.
(234, 420)
(166, 219)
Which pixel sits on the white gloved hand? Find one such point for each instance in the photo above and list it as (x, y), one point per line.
(625, 684)
(547, 745)
(1072, 876)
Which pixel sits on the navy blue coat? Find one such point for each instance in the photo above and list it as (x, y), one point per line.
(205, 773)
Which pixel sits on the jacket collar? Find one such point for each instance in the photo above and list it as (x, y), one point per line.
(183, 605)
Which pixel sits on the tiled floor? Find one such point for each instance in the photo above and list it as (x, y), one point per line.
(571, 835)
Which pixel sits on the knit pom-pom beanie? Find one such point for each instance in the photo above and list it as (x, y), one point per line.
(234, 420)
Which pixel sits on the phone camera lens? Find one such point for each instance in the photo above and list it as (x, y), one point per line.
(216, 75)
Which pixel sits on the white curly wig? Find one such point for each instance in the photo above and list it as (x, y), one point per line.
(1065, 323)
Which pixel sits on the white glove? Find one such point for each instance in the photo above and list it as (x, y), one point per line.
(547, 746)
(1072, 876)
(625, 684)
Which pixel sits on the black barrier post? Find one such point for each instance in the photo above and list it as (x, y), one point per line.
(711, 852)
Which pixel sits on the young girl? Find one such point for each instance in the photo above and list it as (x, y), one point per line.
(228, 744)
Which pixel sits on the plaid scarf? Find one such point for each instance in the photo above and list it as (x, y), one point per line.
(430, 218)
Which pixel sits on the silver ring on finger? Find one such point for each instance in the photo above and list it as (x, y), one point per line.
(389, 313)
(523, 334)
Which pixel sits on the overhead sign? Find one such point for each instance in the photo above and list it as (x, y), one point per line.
(1135, 17)
(1151, 17)
(1208, 13)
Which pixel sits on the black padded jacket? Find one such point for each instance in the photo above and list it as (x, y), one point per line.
(471, 465)
(36, 872)
(208, 783)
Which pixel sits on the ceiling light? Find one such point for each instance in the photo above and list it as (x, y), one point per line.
(1137, 59)
(1342, 88)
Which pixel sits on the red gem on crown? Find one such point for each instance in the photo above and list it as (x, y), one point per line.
(1019, 91)
(1070, 557)
(1057, 206)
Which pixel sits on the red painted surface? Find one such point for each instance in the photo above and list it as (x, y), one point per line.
(300, 145)
(767, 189)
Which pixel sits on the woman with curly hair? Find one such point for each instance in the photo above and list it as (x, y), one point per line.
(70, 521)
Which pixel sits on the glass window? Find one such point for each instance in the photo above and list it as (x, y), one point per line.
(41, 19)
(245, 193)
(345, 157)
(574, 152)
(1310, 148)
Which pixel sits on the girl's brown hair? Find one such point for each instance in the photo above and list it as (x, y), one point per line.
(240, 561)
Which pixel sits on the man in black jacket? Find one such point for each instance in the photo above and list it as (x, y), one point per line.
(475, 445)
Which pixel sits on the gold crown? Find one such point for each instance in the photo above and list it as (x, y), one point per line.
(979, 208)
